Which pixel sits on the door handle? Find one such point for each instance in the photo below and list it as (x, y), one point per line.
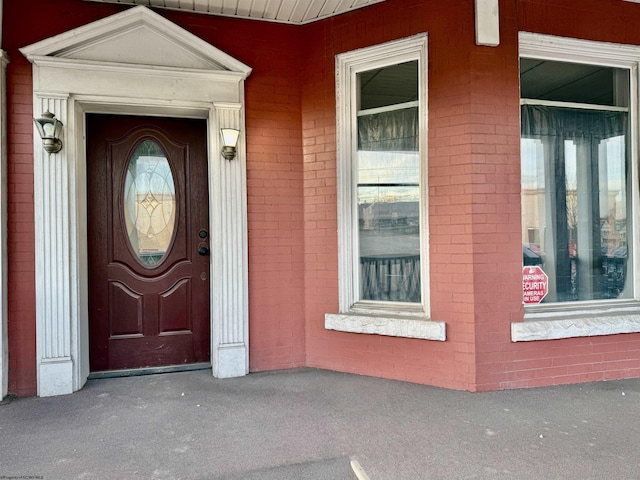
(204, 251)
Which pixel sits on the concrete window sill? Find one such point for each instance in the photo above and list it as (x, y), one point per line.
(578, 323)
(389, 325)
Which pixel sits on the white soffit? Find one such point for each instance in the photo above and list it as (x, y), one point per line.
(286, 11)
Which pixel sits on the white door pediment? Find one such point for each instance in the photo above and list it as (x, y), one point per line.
(140, 37)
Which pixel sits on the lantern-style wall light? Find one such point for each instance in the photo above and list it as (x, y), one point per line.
(50, 129)
(229, 142)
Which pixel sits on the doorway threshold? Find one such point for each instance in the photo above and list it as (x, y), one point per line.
(135, 372)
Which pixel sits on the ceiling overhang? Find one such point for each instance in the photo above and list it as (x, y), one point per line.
(295, 12)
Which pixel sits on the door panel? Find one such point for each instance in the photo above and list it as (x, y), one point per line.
(175, 308)
(147, 204)
(125, 312)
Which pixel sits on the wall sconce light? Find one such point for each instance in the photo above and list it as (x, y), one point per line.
(49, 128)
(229, 142)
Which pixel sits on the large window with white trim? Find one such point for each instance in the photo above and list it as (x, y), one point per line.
(382, 177)
(579, 191)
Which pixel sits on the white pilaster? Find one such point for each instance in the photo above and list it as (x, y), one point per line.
(487, 23)
(53, 237)
(4, 286)
(229, 307)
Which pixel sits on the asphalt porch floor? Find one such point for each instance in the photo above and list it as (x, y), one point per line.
(308, 424)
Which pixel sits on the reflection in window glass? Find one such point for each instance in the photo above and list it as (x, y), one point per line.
(575, 201)
(149, 203)
(388, 185)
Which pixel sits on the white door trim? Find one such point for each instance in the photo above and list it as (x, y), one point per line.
(80, 72)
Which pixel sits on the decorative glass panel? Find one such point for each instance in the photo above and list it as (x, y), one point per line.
(149, 203)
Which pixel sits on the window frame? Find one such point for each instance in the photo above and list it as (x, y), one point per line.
(594, 317)
(366, 316)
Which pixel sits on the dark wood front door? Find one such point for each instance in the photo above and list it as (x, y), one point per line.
(148, 241)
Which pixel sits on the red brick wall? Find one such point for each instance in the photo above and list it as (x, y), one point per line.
(474, 196)
(500, 363)
(450, 28)
(601, 20)
(274, 181)
(21, 293)
(474, 189)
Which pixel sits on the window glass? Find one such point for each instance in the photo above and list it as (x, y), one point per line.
(573, 82)
(575, 181)
(388, 184)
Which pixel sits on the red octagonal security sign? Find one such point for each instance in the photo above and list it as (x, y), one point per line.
(535, 284)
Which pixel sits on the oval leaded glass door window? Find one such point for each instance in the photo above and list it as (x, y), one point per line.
(149, 203)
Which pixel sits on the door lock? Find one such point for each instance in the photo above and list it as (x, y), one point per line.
(204, 251)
